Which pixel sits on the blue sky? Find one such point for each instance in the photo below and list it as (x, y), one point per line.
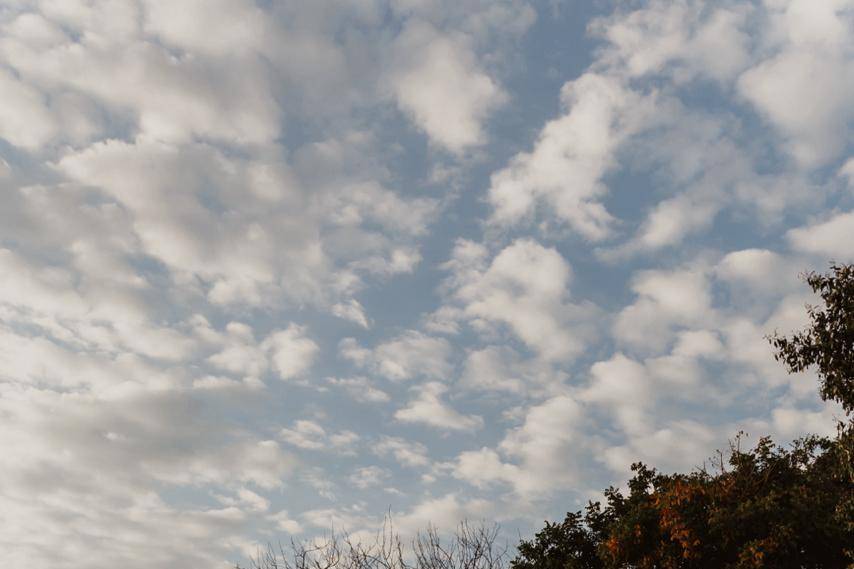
(270, 267)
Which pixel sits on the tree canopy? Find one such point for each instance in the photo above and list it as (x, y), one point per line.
(765, 507)
(768, 506)
(828, 343)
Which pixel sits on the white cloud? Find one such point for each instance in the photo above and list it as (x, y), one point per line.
(446, 511)
(765, 50)
(817, 133)
(413, 354)
(241, 354)
(684, 39)
(544, 446)
(758, 269)
(483, 467)
(347, 519)
(369, 477)
(408, 453)
(696, 160)
(541, 456)
(217, 28)
(369, 202)
(176, 225)
(790, 422)
(113, 319)
(289, 352)
(525, 287)
(351, 310)
(284, 522)
(810, 53)
(69, 448)
(500, 368)
(684, 293)
(680, 445)
(623, 385)
(437, 80)
(666, 299)
(185, 105)
(633, 113)
(445, 320)
(407, 356)
(247, 229)
(672, 219)
(185, 182)
(293, 353)
(310, 435)
(361, 389)
(25, 119)
(830, 238)
(563, 173)
(493, 368)
(428, 408)
(252, 500)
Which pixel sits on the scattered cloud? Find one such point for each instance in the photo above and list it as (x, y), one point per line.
(437, 81)
(428, 408)
(369, 477)
(406, 453)
(310, 435)
(826, 238)
(261, 263)
(524, 287)
(407, 356)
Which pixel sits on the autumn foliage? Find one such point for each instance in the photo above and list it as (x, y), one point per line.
(768, 506)
(765, 507)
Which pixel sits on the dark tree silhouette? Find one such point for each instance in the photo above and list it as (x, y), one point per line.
(828, 343)
(766, 507)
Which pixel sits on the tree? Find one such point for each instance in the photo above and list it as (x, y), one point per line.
(571, 544)
(829, 341)
(766, 507)
(471, 546)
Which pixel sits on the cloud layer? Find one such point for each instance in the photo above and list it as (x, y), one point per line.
(268, 267)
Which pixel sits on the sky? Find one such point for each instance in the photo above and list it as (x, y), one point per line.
(271, 267)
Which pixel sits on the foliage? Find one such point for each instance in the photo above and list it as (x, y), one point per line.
(766, 507)
(829, 342)
(769, 507)
(571, 544)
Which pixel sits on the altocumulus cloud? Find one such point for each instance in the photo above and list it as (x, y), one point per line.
(267, 267)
